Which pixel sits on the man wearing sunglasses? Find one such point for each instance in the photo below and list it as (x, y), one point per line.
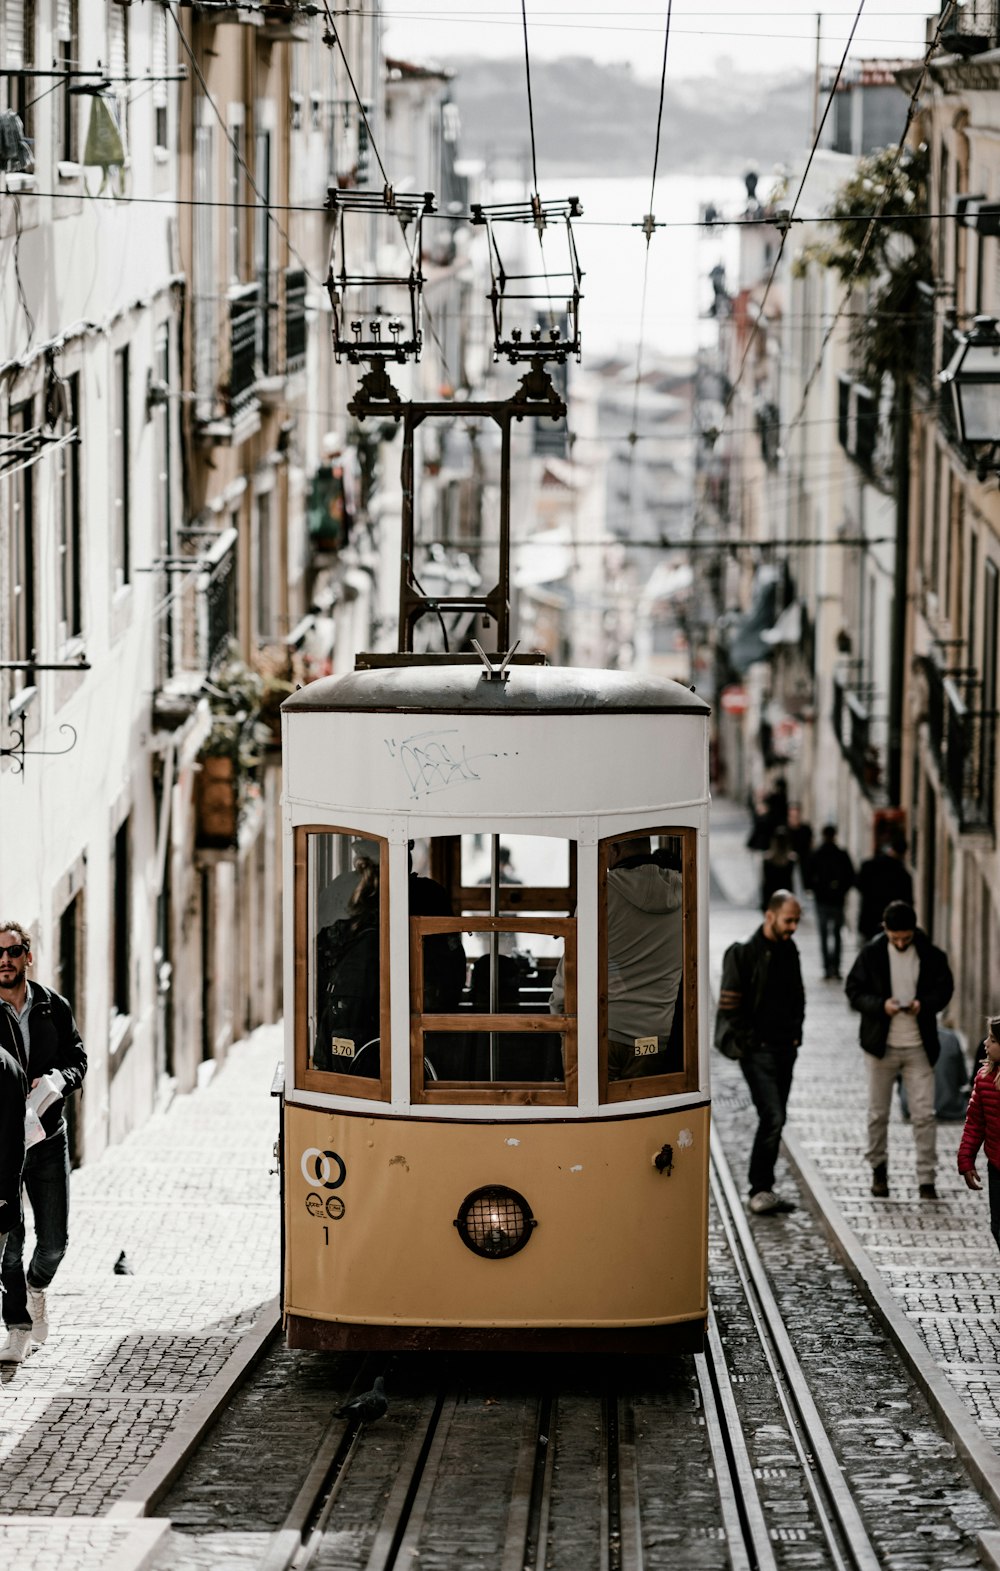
(38, 1032)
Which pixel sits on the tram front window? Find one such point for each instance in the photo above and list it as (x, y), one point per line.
(481, 979)
(344, 945)
(646, 922)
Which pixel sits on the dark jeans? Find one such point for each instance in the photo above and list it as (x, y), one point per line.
(830, 919)
(768, 1072)
(993, 1176)
(46, 1179)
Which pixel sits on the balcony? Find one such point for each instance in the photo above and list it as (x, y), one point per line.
(971, 28)
(195, 623)
(860, 731)
(226, 350)
(962, 736)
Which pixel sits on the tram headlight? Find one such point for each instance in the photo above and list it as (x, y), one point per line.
(494, 1222)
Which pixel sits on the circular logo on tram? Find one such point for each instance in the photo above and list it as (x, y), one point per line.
(323, 1169)
(334, 1207)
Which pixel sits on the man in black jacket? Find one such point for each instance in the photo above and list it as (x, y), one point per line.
(898, 984)
(762, 1006)
(830, 875)
(13, 1090)
(38, 1031)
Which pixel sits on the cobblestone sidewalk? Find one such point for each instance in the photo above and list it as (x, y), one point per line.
(938, 1258)
(189, 1199)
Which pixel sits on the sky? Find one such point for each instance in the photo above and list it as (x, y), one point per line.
(705, 38)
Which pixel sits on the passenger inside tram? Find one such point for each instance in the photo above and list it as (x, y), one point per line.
(348, 982)
(644, 916)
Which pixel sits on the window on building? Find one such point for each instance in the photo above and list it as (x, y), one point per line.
(19, 58)
(21, 591)
(118, 57)
(120, 508)
(266, 603)
(67, 57)
(991, 628)
(121, 902)
(69, 525)
(161, 100)
(203, 306)
(262, 250)
(235, 196)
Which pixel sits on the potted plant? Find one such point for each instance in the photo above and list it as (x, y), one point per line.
(229, 754)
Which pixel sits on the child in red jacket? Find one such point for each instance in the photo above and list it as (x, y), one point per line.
(982, 1126)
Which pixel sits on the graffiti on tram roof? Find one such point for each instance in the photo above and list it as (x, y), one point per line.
(436, 760)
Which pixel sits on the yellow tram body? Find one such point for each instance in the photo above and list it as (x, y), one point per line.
(618, 1244)
(495, 1120)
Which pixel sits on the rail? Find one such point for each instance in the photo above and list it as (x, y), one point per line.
(860, 733)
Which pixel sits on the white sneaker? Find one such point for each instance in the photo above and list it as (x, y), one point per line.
(38, 1313)
(762, 1202)
(17, 1346)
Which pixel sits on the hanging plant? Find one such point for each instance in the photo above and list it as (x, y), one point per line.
(892, 264)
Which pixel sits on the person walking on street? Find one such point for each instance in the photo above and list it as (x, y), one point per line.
(762, 1007)
(779, 867)
(882, 879)
(13, 1090)
(38, 1031)
(830, 874)
(898, 984)
(982, 1127)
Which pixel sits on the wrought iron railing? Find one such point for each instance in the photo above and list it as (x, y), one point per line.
(962, 736)
(295, 319)
(860, 731)
(196, 619)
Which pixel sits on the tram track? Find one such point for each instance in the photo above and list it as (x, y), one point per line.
(615, 1464)
(597, 1433)
(848, 1545)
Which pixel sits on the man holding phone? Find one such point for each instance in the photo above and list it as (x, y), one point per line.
(898, 984)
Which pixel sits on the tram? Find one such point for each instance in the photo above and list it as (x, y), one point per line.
(495, 1105)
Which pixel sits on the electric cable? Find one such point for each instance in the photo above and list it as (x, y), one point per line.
(755, 329)
(862, 251)
(261, 203)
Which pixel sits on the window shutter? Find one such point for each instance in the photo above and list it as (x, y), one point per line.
(17, 30)
(159, 57)
(64, 21)
(118, 47)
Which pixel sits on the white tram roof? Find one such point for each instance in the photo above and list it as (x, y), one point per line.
(441, 688)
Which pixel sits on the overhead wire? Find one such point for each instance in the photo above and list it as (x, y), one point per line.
(755, 329)
(862, 251)
(652, 194)
(261, 201)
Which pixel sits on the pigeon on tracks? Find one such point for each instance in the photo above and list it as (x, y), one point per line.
(367, 1407)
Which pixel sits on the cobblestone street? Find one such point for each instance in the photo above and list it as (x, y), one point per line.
(937, 1257)
(189, 1199)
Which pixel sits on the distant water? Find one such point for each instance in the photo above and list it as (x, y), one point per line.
(613, 258)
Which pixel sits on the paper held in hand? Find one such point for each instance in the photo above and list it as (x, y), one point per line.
(48, 1090)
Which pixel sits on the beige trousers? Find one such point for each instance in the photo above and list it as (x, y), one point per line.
(918, 1078)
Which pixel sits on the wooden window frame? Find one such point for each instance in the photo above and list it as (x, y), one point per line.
(359, 1087)
(643, 1088)
(446, 867)
(481, 1093)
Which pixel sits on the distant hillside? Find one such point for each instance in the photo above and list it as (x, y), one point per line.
(601, 120)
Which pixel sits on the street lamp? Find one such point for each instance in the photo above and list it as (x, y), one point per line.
(974, 378)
